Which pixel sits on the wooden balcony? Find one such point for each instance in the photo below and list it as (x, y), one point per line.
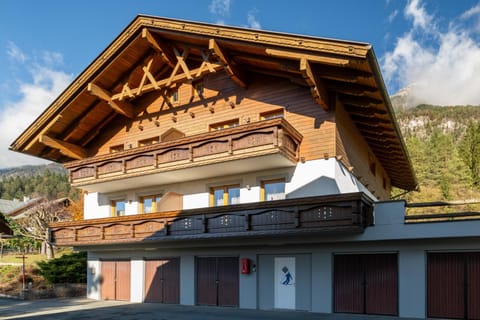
(347, 213)
(274, 140)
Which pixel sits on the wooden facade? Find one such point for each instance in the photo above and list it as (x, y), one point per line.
(261, 138)
(163, 81)
(171, 101)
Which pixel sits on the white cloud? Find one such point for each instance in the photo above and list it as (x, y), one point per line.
(442, 70)
(35, 95)
(14, 53)
(220, 7)
(415, 11)
(473, 13)
(252, 20)
(392, 16)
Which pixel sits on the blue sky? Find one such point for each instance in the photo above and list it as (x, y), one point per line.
(432, 47)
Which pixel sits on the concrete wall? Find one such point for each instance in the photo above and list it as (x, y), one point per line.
(314, 260)
(314, 270)
(93, 277)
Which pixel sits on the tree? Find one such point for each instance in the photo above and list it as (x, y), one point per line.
(470, 151)
(69, 268)
(34, 222)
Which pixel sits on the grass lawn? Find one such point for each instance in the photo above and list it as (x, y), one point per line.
(31, 259)
(16, 258)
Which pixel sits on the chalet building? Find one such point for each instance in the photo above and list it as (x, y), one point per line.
(245, 168)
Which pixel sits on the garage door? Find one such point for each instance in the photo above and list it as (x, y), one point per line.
(217, 281)
(162, 280)
(115, 280)
(453, 285)
(366, 283)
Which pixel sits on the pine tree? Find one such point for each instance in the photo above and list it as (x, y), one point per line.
(470, 151)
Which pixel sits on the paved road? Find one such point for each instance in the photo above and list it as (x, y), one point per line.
(102, 310)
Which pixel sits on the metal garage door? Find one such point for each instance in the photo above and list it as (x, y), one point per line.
(162, 280)
(453, 285)
(217, 281)
(115, 280)
(366, 283)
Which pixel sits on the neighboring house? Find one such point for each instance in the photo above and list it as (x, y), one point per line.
(237, 167)
(7, 206)
(17, 212)
(26, 207)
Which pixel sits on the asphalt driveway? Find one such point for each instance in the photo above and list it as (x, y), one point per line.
(102, 310)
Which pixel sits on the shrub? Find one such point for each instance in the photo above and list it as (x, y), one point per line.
(69, 268)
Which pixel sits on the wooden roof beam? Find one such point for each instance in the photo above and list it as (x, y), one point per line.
(360, 101)
(122, 107)
(169, 81)
(351, 88)
(310, 57)
(181, 58)
(342, 74)
(235, 74)
(166, 53)
(69, 149)
(44, 130)
(95, 131)
(317, 87)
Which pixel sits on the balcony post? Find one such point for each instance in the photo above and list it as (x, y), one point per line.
(204, 224)
(297, 217)
(247, 222)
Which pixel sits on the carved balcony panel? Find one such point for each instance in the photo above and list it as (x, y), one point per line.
(345, 213)
(275, 141)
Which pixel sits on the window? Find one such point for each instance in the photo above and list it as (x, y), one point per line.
(278, 113)
(118, 148)
(273, 190)
(224, 195)
(174, 96)
(149, 141)
(224, 125)
(118, 208)
(198, 89)
(149, 204)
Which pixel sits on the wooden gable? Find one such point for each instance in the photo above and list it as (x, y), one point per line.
(154, 56)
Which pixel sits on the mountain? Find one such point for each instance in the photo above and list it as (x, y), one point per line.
(48, 181)
(421, 121)
(435, 137)
(31, 170)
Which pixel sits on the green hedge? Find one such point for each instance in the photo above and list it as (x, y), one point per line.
(69, 268)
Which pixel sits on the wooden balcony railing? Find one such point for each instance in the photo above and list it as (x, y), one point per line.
(347, 213)
(274, 136)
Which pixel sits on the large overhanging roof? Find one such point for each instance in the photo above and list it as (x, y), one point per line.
(153, 48)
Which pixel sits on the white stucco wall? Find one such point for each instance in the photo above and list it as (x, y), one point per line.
(137, 284)
(96, 205)
(312, 178)
(93, 278)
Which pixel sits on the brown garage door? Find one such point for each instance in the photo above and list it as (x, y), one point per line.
(162, 280)
(217, 281)
(115, 280)
(453, 285)
(366, 283)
